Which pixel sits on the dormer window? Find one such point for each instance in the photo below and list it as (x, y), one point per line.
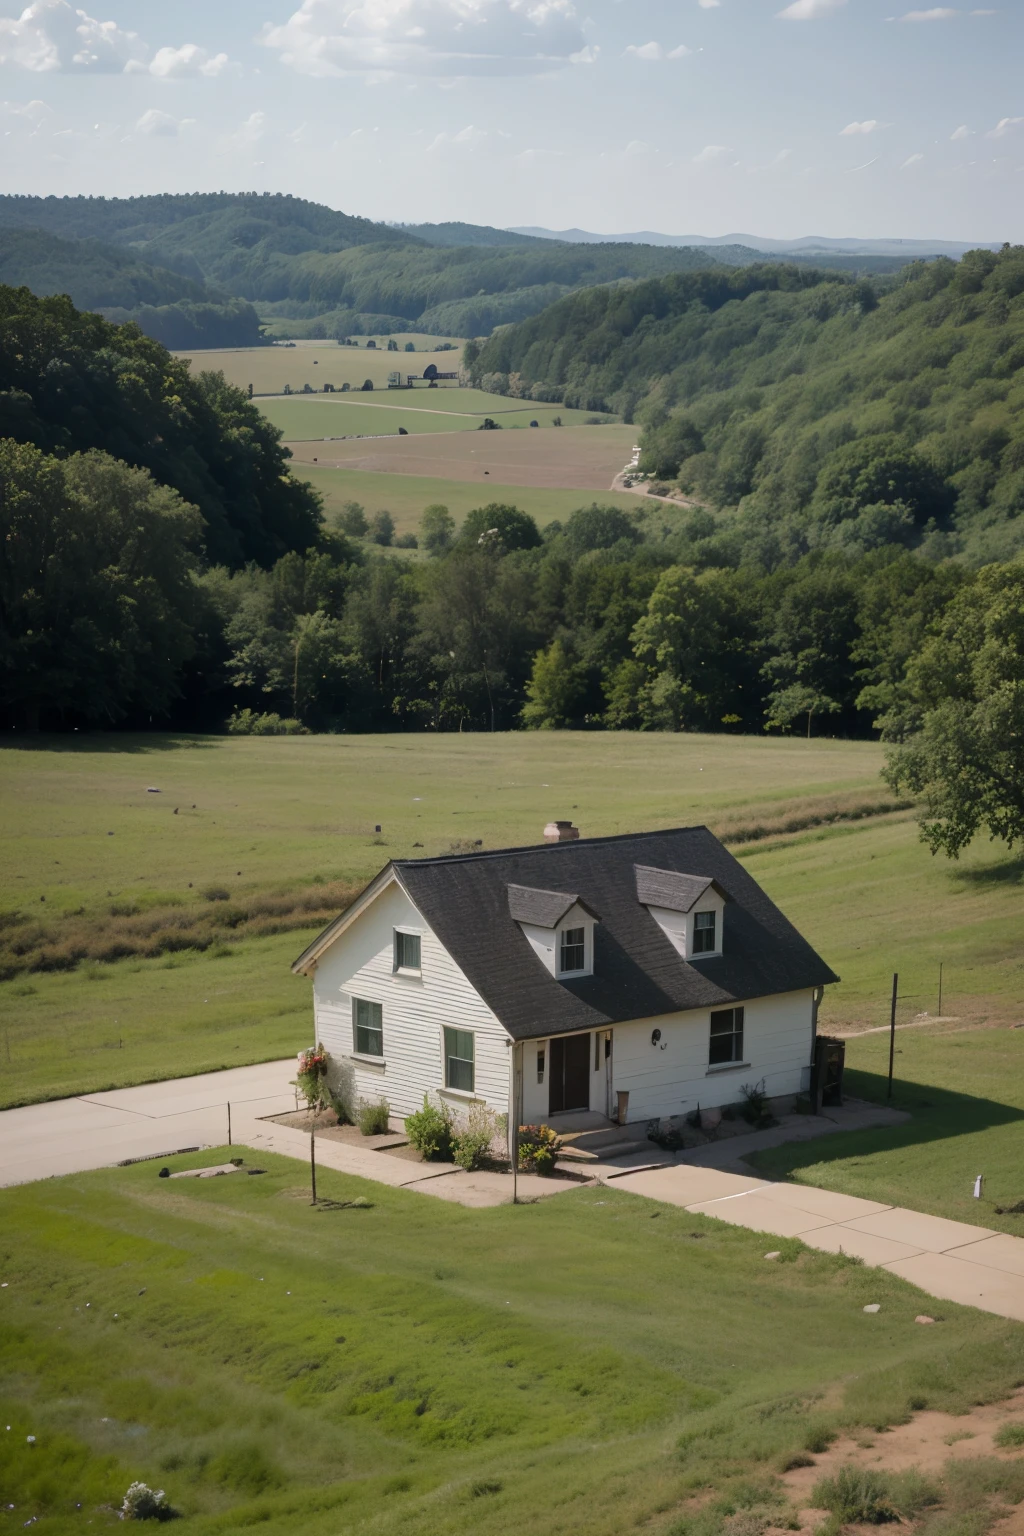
(572, 951)
(704, 933)
(559, 927)
(689, 909)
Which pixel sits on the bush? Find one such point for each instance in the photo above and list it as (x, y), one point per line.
(367, 383)
(857, 1495)
(430, 1131)
(352, 520)
(382, 528)
(144, 1503)
(471, 1144)
(755, 1106)
(407, 541)
(245, 722)
(374, 1117)
(539, 1146)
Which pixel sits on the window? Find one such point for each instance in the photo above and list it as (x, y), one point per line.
(407, 951)
(367, 1027)
(458, 1059)
(704, 933)
(540, 1066)
(572, 954)
(726, 1036)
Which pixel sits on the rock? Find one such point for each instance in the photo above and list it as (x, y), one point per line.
(710, 1119)
(775, 1254)
(872, 1306)
(921, 1318)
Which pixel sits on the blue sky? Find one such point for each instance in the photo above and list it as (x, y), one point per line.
(830, 117)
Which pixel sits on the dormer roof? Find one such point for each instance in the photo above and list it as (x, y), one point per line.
(544, 909)
(671, 889)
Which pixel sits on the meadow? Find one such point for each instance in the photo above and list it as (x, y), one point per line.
(269, 369)
(592, 1362)
(405, 496)
(303, 417)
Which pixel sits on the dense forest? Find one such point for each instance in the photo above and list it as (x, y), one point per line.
(807, 412)
(72, 381)
(330, 273)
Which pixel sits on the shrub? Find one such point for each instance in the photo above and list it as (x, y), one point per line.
(407, 541)
(430, 1131)
(215, 893)
(311, 1079)
(1010, 1436)
(374, 1117)
(367, 384)
(857, 1495)
(144, 1503)
(539, 1146)
(382, 528)
(245, 722)
(755, 1106)
(471, 1144)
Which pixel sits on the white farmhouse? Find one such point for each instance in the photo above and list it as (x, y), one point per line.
(636, 977)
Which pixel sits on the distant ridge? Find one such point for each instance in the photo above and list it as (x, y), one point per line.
(804, 246)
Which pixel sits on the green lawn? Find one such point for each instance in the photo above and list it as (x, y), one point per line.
(589, 1363)
(84, 841)
(965, 1091)
(405, 496)
(307, 418)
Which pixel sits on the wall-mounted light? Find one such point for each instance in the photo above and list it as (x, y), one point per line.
(655, 1036)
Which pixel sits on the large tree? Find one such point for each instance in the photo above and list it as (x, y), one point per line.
(966, 690)
(96, 591)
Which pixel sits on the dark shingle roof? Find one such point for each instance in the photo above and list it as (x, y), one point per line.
(544, 908)
(637, 972)
(666, 888)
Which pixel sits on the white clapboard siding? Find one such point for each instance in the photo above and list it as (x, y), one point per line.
(360, 964)
(672, 1076)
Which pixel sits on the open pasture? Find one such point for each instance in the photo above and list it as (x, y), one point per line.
(417, 410)
(405, 496)
(594, 1362)
(580, 458)
(269, 369)
(90, 854)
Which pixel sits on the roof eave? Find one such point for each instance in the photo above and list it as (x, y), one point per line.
(306, 963)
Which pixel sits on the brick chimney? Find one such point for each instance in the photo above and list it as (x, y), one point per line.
(560, 832)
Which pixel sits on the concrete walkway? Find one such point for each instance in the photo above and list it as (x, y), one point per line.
(949, 1259)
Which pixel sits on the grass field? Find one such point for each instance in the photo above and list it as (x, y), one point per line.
(269, 369)
(90, 854)
(305, 417)
(594, 1362)
(585, 459)
(405, 496)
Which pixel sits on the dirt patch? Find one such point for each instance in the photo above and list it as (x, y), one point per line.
(328, 1129)
(569, 458)
(926, 1444)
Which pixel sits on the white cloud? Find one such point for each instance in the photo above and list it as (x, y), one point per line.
(870, 125)
(912, 160)
(937, 13)
(161, 125)
(963, 132)
(430, 37)
(470, 135)
(654, 51)
(710, 153)
(709, 5)
(173, 63)
(49, 35)
(249, 132)
(1003, 127)
(809, 10)
(33, 111)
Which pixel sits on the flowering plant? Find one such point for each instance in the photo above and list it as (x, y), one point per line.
(144, 1503)
(539, 1146)
(311, 1080)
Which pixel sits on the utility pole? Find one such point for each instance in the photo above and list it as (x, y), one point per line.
(312, 1159)
(892, 1031)
(229, 1125)
(940, 989)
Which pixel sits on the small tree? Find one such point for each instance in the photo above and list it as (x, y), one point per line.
(352, 520)
(367, 384)
(437, 527)
(311, 1081)
(786, 705)
(410, 347)
(382, 528)
(392, 344)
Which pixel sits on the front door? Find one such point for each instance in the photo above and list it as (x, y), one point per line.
(569, 1075)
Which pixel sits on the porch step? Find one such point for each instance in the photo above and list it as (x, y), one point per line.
(619, 1146)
